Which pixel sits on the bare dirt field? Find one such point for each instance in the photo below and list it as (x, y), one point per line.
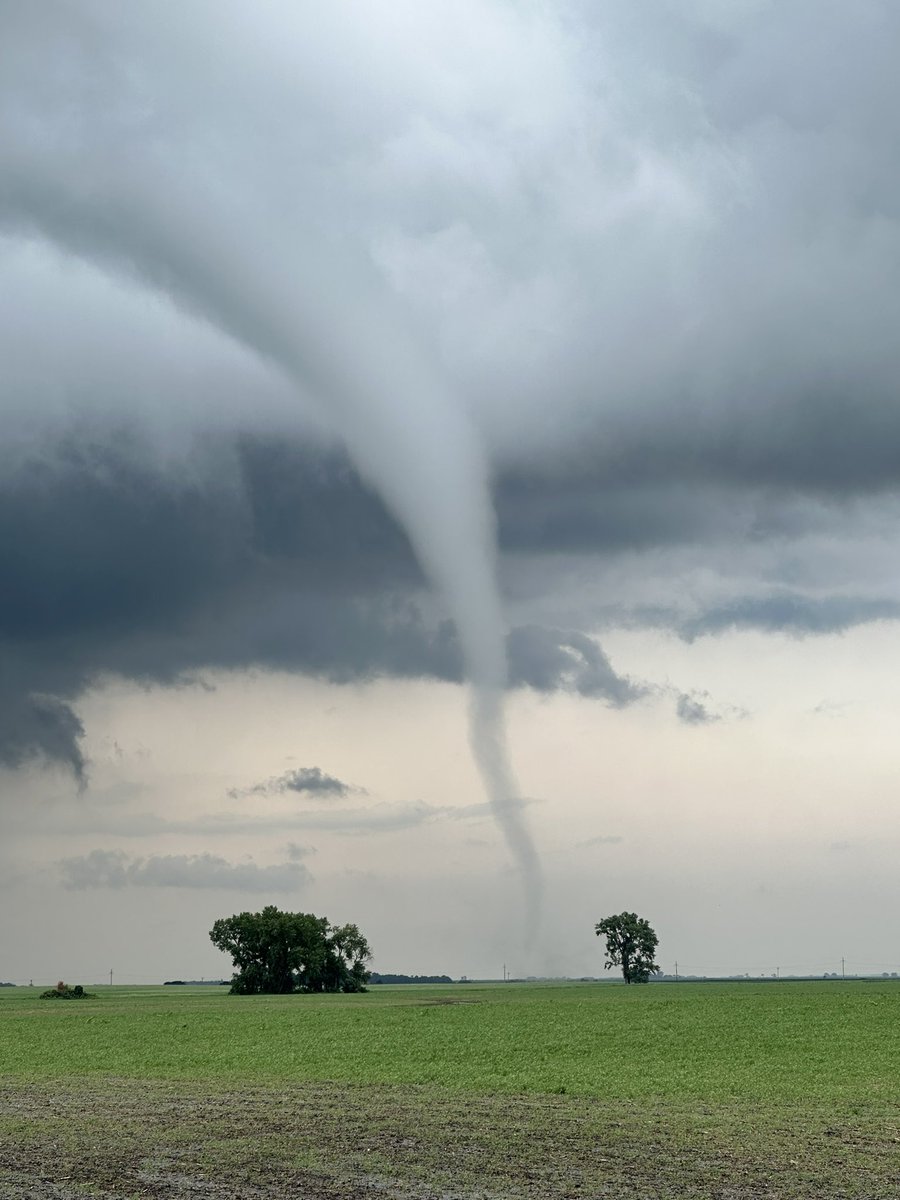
(116, 1139)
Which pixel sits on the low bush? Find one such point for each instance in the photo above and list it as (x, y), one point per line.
(62, 991)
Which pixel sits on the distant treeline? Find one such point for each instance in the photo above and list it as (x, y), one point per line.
(377, 977)
(7, 985)
(195, 982)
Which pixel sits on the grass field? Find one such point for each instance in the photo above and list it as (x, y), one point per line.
(697, 1090)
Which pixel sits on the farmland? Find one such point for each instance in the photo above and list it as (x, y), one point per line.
(698, 1090)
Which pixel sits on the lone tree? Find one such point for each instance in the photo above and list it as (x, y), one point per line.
(281, 952)
(630, 944)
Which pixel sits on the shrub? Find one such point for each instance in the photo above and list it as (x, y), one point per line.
(62, 991)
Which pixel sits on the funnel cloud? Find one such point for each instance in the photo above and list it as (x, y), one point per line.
(307, 304)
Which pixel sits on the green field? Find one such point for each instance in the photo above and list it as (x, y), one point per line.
(726, 1090)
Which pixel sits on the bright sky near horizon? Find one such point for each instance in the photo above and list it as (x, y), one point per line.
(344, 346)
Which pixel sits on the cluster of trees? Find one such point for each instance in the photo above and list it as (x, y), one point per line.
(281, 952)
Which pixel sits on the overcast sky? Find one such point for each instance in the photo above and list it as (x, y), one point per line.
(352, 354)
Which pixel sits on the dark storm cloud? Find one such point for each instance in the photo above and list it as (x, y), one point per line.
(111, 564)
(312, 780)
(97, 538)
(552, 659)
(252, 553)
(115, 869)
(40, 727)
(256, 553)
(594, 510)
(791, 613)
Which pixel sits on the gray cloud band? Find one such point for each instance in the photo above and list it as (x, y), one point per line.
(115, 869)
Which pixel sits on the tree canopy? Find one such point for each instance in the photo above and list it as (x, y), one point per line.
(630, 944)
(281, 952)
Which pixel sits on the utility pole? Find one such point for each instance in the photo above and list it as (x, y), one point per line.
(676, 970)
(504, 972)
(843, 976)
(110, 976)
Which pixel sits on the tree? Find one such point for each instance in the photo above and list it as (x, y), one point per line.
(282, 952)
(630, 944)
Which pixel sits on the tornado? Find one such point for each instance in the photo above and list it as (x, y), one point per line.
(304, 298)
